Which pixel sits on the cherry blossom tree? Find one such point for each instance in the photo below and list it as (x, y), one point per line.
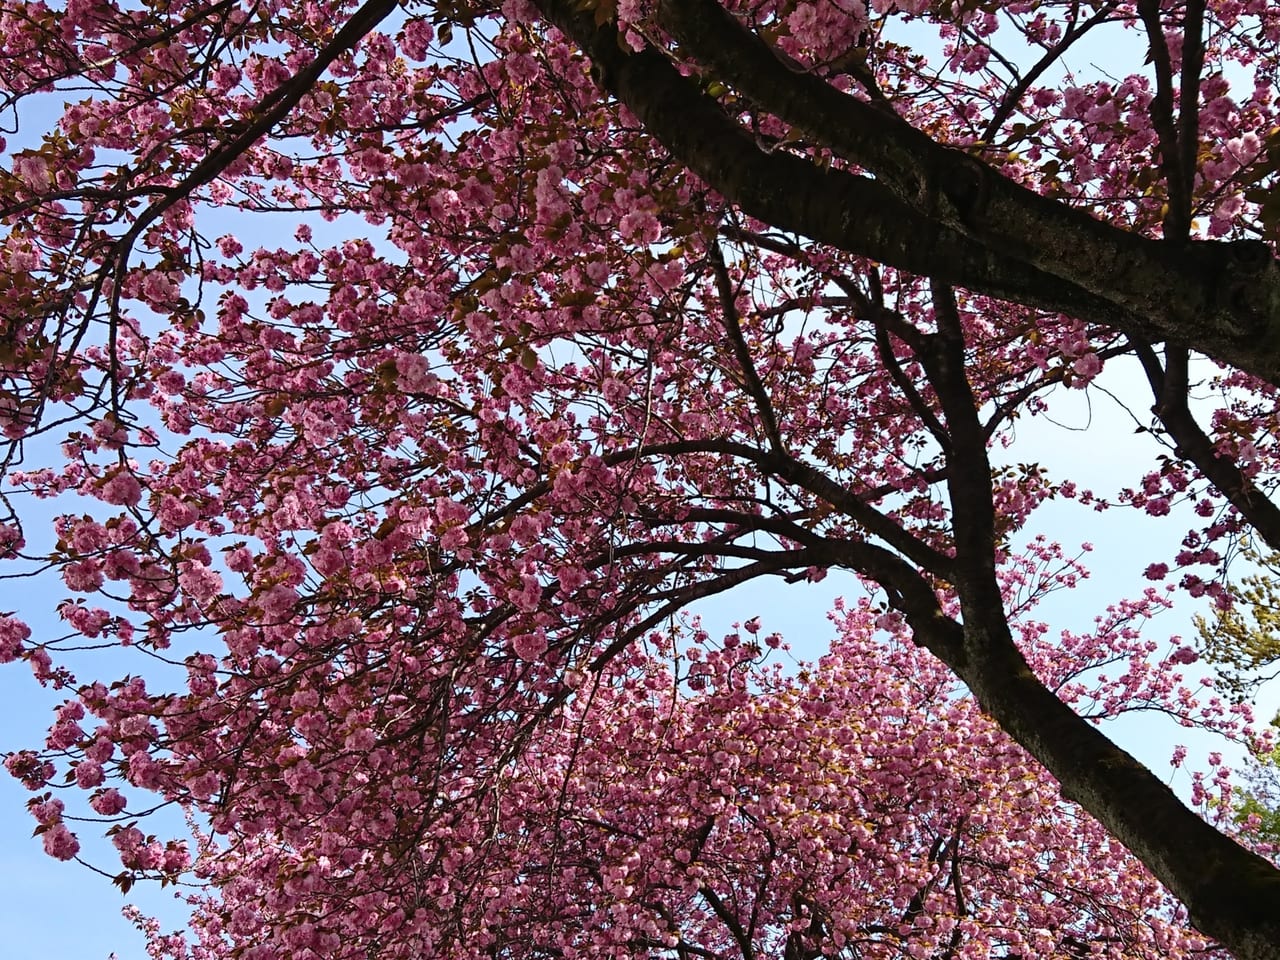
(586, 311)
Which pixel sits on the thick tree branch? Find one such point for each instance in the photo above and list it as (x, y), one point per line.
(1123, 794)
(1223, 299)
(1189, 95)
(939, 181)
(1231, 893)
(852, 213)
(1177, 222)
(969, 468)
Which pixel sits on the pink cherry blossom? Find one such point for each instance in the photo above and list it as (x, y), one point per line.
(13, 634)
(122, 488)
(59, 842)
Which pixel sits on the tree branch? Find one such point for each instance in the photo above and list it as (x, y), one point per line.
(1177, 221)
(1074, 32)
(1169, 387)
(931, 210)
(751, 379)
